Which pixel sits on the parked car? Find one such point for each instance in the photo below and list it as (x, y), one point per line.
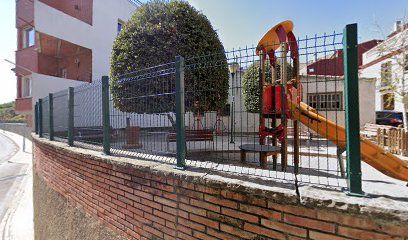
(388, 117)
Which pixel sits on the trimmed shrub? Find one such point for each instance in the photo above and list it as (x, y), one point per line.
(250, 84)
(156, 33)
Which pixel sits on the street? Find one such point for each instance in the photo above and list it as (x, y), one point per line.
(15, 185)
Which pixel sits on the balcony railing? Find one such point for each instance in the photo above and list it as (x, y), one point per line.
(135, 2)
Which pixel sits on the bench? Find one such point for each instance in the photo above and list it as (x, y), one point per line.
(370, 130)
(264, 151)
(92, 133)
(193, 135)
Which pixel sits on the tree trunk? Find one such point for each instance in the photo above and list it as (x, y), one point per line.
(405, 117)
(171, 119)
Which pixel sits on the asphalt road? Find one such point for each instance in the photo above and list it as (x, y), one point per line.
(11, 174)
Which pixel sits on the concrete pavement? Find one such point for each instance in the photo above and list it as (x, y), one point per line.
(16, 205)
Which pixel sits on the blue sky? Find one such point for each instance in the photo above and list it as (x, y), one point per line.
(243, 22)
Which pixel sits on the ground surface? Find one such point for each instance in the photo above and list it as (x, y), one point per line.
(16, 211)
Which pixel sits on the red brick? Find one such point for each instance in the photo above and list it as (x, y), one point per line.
(395, 228)
(151, 204)
(190, 193)
(143, 207)
(191, 209)
(240, 215)
(165, 201)
(123, 175)
(162, 186)
(268, 213)
(282, 227)
(205, 205)
(207, 222)
(184, 236)
(246, 198)
(348, 220)
(202, 236)
(208, 190)
(361, 234)
(324, 236)
(164, 215)
(309, 223)
(237, 232)
(153, 231)
(132, 233)
(295, 210)
(190, 224)
(143, 194)
(220, 235)
(154, 218)
(222, 202)
(263, 231)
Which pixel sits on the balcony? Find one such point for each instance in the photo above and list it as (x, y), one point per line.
(24, 105)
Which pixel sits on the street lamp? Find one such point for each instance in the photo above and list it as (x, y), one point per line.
(233, 68)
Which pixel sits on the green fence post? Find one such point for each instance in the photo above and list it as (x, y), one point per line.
(352, 110)
(51, 116)
(180, 125)
(105, 115)
(71, 116)
(36, 117)
(40, 118)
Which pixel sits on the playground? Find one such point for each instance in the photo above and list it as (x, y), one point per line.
(263, 124)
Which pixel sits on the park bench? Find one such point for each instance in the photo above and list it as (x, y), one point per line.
(91, 133)
(264, 150)
(370, 130)
(193, 135)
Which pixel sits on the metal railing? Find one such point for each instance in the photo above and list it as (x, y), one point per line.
(205, 112)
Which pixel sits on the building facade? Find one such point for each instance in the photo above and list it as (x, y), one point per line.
(63, 44)
(334, 65)
(388, 64)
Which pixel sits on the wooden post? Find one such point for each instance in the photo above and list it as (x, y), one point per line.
(273, 123)
(296, 122)
(261, 103)
(284, 120)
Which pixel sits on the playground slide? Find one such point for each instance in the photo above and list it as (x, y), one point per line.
(371, 153)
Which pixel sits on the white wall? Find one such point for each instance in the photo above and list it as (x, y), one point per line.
(316, 84)
(396, 42)
(42, 85)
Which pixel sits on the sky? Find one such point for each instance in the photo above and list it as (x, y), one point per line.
(241, 23)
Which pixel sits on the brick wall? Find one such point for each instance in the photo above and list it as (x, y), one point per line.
(79, 9)
(148, 200)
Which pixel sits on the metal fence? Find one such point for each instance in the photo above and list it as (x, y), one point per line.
(241, 112)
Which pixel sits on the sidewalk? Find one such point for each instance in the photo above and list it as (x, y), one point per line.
(18, 221)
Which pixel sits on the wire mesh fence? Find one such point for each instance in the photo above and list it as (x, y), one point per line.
(274, 114)
(87, 111)
(60, 110)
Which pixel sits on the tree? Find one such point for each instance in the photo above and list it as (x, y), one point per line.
(394, 70)
(156, 33)
(250, 84)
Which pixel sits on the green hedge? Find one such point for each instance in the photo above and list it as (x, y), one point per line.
(156, 33)
(250, 84)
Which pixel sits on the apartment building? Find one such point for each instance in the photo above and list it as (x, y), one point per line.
(63, 44)
(388, 64)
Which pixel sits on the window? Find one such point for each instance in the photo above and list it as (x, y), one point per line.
(64, 73)
(326, 101)
(385, 74)
(388, 101)
(29, 37)
(26, 87)
(120, 25)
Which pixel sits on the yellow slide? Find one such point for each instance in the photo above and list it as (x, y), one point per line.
(371, 153)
